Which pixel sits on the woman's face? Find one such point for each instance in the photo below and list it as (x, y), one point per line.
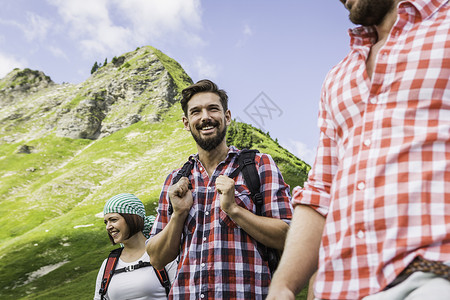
(117, 227)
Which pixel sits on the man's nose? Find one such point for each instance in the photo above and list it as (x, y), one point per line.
(205, 115)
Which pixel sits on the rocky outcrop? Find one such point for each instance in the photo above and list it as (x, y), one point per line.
(82, 122)
(136, 86)
(25, 80)
(19, 83)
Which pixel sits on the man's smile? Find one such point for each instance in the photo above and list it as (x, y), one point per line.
(207, 128)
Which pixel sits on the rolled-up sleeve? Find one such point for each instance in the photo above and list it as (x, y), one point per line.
(317, 189)
(163, 217)
(275, 191)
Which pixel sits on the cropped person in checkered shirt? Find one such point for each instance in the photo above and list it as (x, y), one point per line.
(375, 212)
(213, 229)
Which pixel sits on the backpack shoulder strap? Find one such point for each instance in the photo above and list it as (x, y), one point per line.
(163, 277)
(110, 266)
(185, 171)
(247, 166)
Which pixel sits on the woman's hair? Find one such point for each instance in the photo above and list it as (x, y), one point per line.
(201, 86)
(135, 224)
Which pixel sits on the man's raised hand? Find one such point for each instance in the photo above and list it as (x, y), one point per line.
(180, 196)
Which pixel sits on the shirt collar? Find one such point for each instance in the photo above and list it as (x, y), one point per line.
(363, 35)
(232, 150)
(427, 7)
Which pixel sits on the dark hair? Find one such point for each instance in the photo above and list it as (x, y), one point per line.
(134, 222)
(201, 86)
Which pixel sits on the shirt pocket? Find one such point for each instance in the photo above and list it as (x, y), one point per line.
(242, 198)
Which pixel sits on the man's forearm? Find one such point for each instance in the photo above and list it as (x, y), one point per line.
(300, 256)
(165, 246)
(270, 232)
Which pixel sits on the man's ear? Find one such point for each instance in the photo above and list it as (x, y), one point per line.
(186, 124)
(228, 117)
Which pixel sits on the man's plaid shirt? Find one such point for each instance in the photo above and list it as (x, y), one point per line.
(382, 171)
(219, 260)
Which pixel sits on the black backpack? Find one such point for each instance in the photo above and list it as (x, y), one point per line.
(110, 270)
(246, 160)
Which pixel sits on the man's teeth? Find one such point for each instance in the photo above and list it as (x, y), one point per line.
(207, 127)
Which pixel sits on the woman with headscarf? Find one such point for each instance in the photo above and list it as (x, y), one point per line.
(132, 276)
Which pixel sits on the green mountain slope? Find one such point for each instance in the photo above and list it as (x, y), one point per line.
(66, 149)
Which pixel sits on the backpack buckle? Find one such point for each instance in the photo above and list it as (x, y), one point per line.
(247, 161)
(129, 268)
(258, 199)
(259, 203)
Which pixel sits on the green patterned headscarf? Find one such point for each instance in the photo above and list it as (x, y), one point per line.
(129, 204)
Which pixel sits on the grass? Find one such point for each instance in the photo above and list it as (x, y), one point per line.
(182, 80)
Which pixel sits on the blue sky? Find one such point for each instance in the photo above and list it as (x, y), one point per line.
(270, 56)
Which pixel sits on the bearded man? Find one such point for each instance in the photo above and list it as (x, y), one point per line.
(214, 230)
(375, 212)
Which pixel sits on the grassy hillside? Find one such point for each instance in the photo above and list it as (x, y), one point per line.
(51, 242)
(43, 209)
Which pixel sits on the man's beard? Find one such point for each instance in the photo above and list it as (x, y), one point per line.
(370, 12)
(210, 143)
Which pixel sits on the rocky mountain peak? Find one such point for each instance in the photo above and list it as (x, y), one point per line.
(24, 80)
(136, 86)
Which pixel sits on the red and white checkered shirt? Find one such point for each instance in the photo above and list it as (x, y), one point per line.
(218, 259)
(382, 171)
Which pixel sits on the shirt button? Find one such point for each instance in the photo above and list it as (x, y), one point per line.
(209, 188)
(373, 101)
(360, 234)
(202, 296)
(202, 265)
(361, 185)
(207, 213)
(204, 238)
(367, 142)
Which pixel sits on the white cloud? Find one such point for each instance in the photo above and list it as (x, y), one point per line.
(89, 23)
(176, 20)
(8, 63)
(104, 27)
(302, 151)
(205, 69)
(34, 27)
(246, 33)
(57, 52)
(37, 27)
(247, 30)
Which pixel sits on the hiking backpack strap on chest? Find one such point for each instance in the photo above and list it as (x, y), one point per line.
(185, 171)
(163, 278)
(162, 275)
(140, 264)
(110, 270)
(247, 166)
(110, 266)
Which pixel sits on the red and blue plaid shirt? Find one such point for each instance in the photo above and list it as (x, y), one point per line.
(219, 260)
(382, 170)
